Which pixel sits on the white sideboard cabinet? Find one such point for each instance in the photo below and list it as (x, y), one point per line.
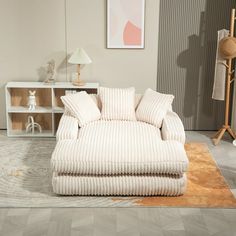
(48, 110)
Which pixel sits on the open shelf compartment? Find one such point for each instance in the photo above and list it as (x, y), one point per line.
(18, 122)
(48, 110)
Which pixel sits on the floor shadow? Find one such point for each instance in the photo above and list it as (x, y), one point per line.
(227, 138)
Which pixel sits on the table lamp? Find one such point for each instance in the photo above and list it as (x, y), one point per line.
(79, 57)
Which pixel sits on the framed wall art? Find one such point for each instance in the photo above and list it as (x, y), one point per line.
(125, 23)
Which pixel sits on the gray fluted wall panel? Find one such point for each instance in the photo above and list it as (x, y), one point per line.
(186, 57)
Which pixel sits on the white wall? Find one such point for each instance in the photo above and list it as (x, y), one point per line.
(86, 26)
(35, 31)
(32, 32)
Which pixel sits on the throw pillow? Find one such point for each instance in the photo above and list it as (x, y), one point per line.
(82, 107)
(117, 103)
(153, 107)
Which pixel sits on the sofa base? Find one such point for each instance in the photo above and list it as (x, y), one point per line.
(119, 185)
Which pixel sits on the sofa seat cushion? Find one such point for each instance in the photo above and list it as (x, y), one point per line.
(121, 185)
(119, 147)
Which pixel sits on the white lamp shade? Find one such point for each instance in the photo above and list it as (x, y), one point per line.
(79, 57)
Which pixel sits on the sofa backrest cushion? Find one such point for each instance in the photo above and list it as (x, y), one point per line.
(81, 106)
(153, 107)
(117, 103)
(98, 102)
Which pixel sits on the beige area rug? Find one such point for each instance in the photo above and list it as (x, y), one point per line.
(25, 180)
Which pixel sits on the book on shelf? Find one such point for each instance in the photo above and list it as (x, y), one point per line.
(67, 92)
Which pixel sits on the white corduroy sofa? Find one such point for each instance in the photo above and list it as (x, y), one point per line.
(120, 157)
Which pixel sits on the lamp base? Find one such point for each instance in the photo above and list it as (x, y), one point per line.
(78, 83)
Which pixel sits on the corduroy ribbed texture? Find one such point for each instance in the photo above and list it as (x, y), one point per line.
(119, 147)
(82, 107)
(153, 107)
(119, 185)
(119, 157)
(68, 127)
(117, 103)
(172, 128)
(98, 102)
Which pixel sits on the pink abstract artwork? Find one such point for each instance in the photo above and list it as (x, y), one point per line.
(125, 23)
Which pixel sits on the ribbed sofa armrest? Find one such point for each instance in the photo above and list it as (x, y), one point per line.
(172, 128)
(68, 127)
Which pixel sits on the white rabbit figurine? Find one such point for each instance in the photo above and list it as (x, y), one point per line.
(32, 100)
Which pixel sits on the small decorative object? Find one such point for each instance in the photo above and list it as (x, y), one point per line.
(32, 100)
(31, 125)
(50, 72)
(125, 23)
(227, 47)
(79, 57)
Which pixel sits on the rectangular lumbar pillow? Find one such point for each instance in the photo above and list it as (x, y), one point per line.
(153, 107)
(117, 103)
(81, 106)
